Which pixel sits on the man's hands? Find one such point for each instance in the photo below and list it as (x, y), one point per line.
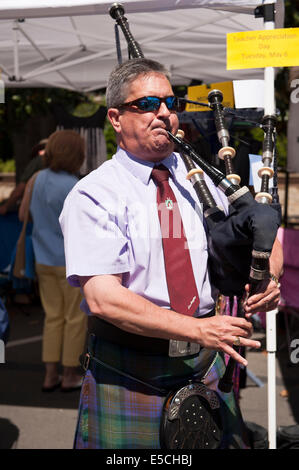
(268, 294)
(220, 333)
(265, 299)
(118, 305)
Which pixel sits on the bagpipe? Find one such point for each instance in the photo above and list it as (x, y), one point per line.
(240, 242)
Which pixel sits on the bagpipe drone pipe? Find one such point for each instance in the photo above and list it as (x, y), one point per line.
(241, 242)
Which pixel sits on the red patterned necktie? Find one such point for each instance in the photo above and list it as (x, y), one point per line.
(179, 272)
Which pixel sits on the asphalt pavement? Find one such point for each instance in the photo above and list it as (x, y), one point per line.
(30, 419)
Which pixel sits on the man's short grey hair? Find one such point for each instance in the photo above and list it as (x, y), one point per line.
(123, 75)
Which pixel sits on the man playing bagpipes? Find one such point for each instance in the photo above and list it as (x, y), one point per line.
(135, 243)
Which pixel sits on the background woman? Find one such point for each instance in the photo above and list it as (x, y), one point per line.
(65, 324)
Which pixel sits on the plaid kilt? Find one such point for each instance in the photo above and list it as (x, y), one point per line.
(116, 412)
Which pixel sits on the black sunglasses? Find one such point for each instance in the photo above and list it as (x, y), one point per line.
(153, 103)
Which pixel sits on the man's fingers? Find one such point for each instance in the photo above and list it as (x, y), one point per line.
(239, 322)
(242, 327)
(242, 332)
(266, 304)
(243, 342)
(271, 290)
(250, 343)
(235, 355)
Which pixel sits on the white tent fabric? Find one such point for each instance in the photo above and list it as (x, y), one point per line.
(33, 8)
(71, 44)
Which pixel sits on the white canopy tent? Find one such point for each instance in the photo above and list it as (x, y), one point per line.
(71, 44)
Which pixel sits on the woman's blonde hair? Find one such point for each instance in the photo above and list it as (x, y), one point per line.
(65, 151)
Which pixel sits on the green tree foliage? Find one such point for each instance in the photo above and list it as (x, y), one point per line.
(21, 103)
(8, 166)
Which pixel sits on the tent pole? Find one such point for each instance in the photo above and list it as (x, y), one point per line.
(43, 55)
(61, 58)
(16, 51)
(71, 63)
(270, 108)
(4, 70)
(271, 366)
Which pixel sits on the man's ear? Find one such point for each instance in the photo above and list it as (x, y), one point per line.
(113, 116)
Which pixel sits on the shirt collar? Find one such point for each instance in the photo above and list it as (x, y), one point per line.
(142, 169)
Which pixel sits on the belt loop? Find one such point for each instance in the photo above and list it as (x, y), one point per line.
(92, 339)
(85, 361)
(91, 343)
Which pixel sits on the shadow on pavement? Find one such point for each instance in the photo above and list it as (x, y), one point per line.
(9, 434)
(21, 375)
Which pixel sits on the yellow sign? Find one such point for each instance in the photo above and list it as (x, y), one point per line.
(200, 93)
(266, 48)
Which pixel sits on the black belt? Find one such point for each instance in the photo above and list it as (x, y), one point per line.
(108, 332)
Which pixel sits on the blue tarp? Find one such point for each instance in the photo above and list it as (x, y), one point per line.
(10, 228)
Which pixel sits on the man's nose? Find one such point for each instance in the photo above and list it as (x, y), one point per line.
(163, 110)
